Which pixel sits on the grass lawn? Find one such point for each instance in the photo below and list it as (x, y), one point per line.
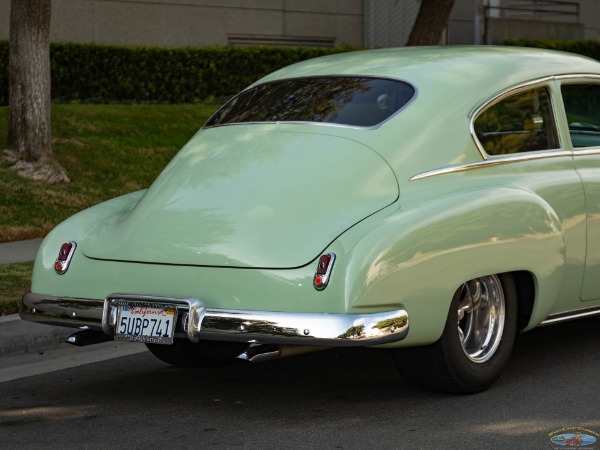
(15, 280)
(108, 150)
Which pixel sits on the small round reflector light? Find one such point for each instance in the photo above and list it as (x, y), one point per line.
(65, 254)
(323, 272)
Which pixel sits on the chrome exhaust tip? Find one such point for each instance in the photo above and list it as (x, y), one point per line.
(264, 353)
(86, 337)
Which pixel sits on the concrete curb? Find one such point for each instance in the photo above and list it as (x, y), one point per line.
(20, 336)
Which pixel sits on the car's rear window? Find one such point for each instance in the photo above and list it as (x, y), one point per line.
(354, 101)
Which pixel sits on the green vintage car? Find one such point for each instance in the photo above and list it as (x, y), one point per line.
(433, 201)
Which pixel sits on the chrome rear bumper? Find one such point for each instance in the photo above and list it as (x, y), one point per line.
(198, 322)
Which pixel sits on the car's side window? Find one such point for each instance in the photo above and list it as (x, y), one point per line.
(522, 122)
(582, 105)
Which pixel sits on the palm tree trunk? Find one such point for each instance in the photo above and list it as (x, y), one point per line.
(430, 23)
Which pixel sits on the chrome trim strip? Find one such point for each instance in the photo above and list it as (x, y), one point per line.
(509, 91)
(492, 160)
(62, 311)
(587, 152)
(499, 96)
(571, 315)
(577, 75)
(268, 327)
(517, 157)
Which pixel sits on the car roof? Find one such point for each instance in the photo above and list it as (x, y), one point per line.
(493, 66)
(451, 82)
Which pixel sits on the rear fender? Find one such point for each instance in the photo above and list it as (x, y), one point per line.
(417, 257)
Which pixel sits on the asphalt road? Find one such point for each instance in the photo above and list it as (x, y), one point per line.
(339, 399)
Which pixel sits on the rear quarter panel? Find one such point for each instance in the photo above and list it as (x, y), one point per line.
(448, 229)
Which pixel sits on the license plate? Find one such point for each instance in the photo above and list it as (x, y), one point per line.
(148, 322)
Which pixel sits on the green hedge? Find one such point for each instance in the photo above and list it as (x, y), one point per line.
(102, 73)
(587, 48)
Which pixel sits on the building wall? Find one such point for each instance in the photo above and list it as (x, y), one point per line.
(589, 13)
(203, 22)
(501, 24)
(461, 30)
(4, 19)
(388, 23)
(498, 30)
(362, 23)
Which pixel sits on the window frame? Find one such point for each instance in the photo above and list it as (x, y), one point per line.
(551, 82)
(576, 80)
(327, 124)
(546, 83)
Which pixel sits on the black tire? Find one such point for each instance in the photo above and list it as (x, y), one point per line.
(203, 354)
(446, 366)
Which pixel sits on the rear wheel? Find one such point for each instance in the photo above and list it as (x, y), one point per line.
(202, 354)
(476, 343)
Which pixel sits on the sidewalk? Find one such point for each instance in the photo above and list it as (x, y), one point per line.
(19, 251)
(20, 336)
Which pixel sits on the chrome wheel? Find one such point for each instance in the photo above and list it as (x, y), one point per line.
(481, 315)
(476, 343)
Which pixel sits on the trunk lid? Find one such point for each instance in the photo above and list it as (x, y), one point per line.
(250, 196)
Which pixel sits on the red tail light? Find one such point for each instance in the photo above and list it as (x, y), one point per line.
(323, 272)
(61, 265)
